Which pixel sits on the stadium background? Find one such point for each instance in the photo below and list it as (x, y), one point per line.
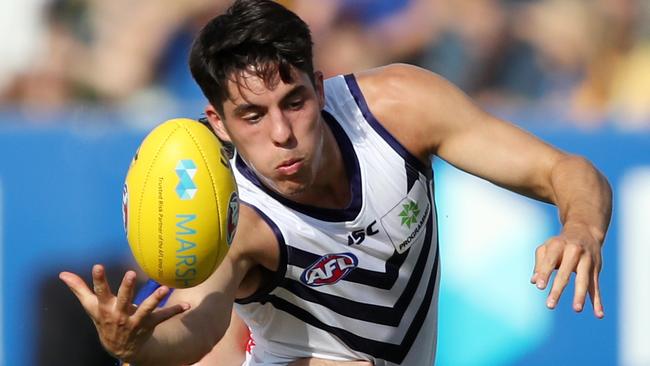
(82, 81)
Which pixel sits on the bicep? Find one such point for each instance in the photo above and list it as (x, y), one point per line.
(481, 144)
(249, 249)
(220, 286)
(430, 116)
(254, 246)
(210, 302)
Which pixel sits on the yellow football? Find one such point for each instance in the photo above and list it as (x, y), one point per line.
(180, 203)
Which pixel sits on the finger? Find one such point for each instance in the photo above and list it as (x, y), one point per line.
(594, 293)
(150, 303)
(126, 292)
(539, 254)
(582, 283)
(76, 284)
(100, 285)
(80, 290)
(548, 262)
(163, 314)
(569, 262)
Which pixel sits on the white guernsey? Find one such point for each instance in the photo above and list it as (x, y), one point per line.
(355, 283)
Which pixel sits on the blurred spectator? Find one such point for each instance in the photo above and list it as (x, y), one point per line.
(21, 35)
(104, 50)
(584, 61)
(352, 35)
(469, 46)
(611, 39)
(564, 37)
(629, 92)
(33, 53)
(570, 59)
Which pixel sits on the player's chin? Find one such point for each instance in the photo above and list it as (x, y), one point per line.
(291, 187)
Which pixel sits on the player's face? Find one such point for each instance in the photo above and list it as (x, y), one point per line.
(277, 129)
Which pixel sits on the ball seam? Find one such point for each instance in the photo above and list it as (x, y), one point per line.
(146, 180)
(214, 188)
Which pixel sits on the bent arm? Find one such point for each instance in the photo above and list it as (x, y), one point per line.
(186, 338)
(502, 153)
(177, 334)
(429, 116)
(195, 333)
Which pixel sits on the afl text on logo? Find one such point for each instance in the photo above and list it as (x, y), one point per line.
(329, 269)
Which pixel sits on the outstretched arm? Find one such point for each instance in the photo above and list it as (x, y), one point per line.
(122, 327)
(180, 333)
(429, 116)
(143, 335)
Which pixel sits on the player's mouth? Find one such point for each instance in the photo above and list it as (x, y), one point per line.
(289, 167)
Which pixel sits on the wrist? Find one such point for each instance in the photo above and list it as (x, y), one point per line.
(596, 231)
(139, 358)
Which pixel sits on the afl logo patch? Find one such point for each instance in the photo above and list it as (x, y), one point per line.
(329, 269)
(125, 207)
(233, 216)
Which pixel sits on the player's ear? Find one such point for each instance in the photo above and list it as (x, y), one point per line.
(320, 89)
(216, 122)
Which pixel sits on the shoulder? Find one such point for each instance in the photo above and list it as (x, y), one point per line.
(398, 83)
(254, 240)
(254, 252)
(417, 106)
(254, 247)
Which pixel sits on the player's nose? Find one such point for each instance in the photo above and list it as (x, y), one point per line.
(281, 128)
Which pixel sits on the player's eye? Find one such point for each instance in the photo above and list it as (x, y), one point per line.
(296, 104)
(252, 117)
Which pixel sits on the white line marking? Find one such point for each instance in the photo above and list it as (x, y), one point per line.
(634, 252)
(2, 267)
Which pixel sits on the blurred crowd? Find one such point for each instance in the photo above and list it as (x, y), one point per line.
(585, 61)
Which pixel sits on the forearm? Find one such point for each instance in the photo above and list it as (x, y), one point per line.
(231, 349)
(582, 195)
(184, 339)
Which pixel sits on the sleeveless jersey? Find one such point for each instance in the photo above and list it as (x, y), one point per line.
(355, 283)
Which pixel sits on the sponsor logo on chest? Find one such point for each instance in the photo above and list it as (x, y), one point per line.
(405, 223)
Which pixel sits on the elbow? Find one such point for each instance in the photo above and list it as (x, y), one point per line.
(592, 176)
(577, 173)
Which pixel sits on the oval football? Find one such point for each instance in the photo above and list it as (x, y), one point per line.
(180, 203)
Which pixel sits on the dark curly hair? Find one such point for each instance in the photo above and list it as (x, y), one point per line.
(260, 36)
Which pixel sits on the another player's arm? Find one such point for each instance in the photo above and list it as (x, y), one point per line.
(145, 336)
(432, 117)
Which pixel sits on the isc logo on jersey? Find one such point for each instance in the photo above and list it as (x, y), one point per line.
(329, 269)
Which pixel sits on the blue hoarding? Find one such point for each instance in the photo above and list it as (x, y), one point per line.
(60, 209)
